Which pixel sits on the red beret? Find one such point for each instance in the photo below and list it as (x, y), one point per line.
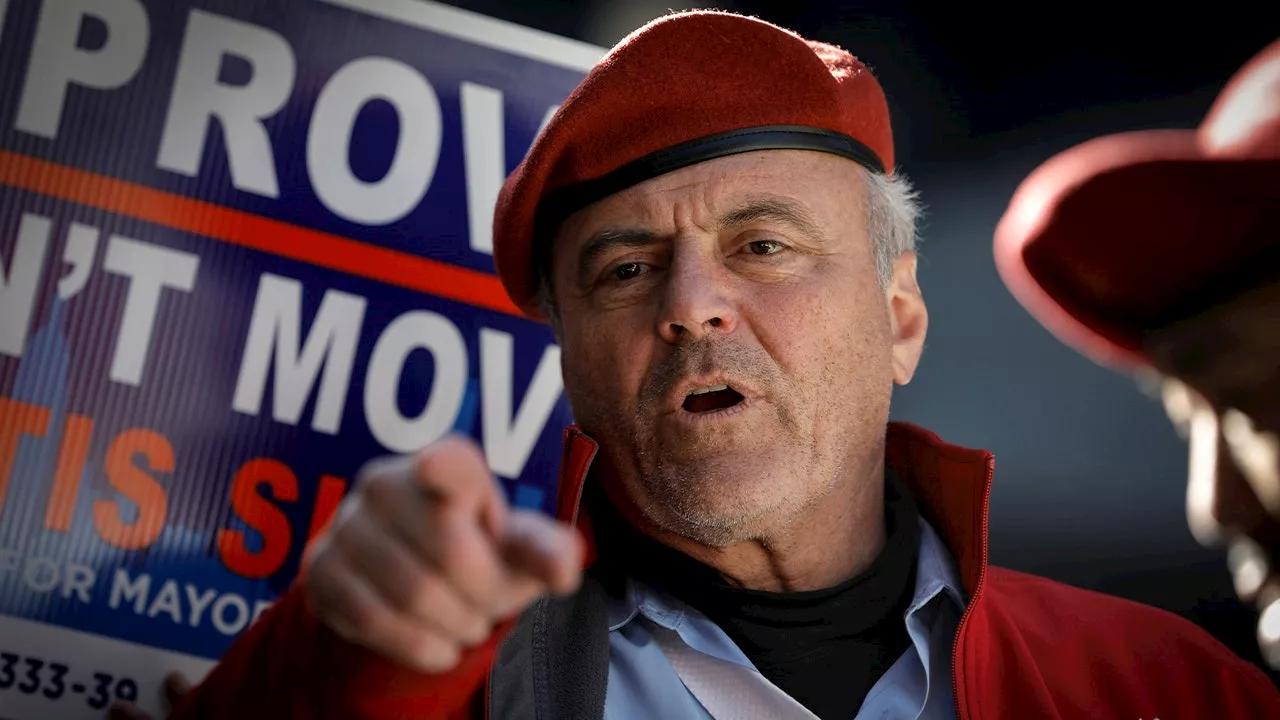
(1128, 233)
(685, 88)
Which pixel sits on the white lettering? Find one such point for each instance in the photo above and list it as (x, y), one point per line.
(82, 245)
(219, 612)
(167, 601)
(260, 607)
(124, 589)
(57, 63)
(546, 119)
(417, 150)
(44, 575)
(509, 437)
(198, 602)
(150, 270)
(483, 143)
(79, 579)
(41, 581)
(198, 96)
(18, 286)
(332, 342)
(409, 332)
(482, 147)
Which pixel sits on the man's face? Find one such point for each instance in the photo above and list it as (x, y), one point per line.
(1223, 387)
(728, 343)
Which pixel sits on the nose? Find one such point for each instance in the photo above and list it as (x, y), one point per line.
(695, 304)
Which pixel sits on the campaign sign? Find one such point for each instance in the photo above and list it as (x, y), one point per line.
(244, 248)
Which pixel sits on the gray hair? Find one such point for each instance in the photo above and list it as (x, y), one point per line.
(893, 209)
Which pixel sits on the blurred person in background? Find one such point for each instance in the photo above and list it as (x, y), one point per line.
(714, 228)
(1158, 253)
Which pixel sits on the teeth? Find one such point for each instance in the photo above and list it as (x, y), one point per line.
(713, 388)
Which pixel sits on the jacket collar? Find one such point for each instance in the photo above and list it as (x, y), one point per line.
(951, 484)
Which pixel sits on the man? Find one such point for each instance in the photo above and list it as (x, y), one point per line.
(1160, 252)
(713, 227)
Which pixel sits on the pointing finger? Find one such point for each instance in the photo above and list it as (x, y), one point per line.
(544, 549)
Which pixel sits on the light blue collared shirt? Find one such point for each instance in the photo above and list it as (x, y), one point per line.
(642, 683)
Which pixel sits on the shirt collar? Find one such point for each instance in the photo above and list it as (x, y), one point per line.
(935, 572)
(935, 575)
(625, 609)
(952, 484)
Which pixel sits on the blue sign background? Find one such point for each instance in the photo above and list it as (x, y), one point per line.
(199, 337)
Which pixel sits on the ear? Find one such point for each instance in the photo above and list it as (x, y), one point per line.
(908, 318)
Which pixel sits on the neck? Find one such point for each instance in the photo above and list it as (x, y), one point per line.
(830, 541)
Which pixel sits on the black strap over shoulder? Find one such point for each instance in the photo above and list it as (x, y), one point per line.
(555, 662)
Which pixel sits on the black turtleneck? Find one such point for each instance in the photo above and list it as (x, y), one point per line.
(824, 648)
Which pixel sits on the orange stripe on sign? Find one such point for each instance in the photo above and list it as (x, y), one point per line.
(256, 232)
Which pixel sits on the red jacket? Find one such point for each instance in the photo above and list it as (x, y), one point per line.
(1026, 647)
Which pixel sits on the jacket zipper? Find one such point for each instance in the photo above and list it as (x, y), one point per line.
(977, 593)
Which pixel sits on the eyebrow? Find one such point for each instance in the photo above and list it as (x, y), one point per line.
(776, 209)
(605, 241)
(755, 210)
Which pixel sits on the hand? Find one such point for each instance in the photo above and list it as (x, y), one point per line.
(175, 687)
(424, 557)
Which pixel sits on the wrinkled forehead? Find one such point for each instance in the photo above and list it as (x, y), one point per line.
(1229, 353)
(826, 188)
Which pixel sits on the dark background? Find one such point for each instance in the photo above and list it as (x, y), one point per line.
(1090, 481)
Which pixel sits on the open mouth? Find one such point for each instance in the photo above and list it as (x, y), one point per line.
(711, 399)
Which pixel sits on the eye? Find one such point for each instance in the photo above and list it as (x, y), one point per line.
(626, 271)
(764, 247)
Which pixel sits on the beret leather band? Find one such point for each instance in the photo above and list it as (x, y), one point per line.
(560, 204)
(686, 88)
